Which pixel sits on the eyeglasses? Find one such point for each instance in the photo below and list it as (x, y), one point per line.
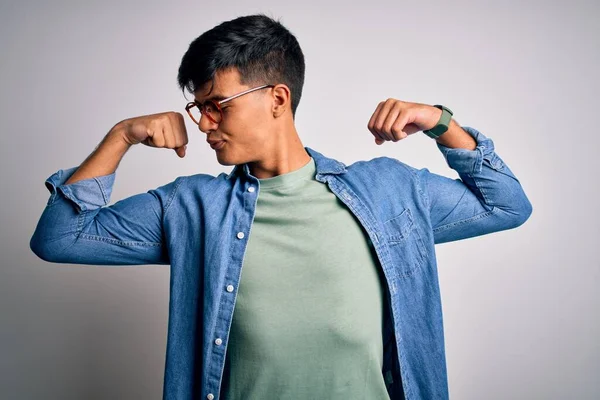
(212, 109)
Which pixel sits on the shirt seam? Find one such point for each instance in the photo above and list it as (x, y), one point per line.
(178, 182)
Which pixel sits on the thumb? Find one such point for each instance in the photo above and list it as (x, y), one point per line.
(180, 151)
(378, 141)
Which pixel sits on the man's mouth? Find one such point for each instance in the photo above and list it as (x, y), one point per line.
(217, 145)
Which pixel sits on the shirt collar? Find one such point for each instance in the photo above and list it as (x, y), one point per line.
(323, 164)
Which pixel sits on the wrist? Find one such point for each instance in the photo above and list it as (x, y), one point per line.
(119, 133)
(443, 119)
(434, 117)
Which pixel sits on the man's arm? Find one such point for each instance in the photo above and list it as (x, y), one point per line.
(487, 198)
(456, 137)
(78, 227)
(105, 159)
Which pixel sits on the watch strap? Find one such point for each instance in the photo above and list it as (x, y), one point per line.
(443, 123)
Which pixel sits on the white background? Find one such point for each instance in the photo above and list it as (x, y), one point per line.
(521, 311)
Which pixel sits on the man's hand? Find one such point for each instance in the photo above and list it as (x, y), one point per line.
(396, 119)
(165, 129)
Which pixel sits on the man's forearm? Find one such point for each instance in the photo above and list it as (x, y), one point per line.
(105, 159)
(456, 137)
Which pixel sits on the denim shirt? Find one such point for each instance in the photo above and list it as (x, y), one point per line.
(200, 225)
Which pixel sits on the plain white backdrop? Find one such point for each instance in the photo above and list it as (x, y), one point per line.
(521, 307)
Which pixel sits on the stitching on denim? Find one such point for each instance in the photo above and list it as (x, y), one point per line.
(178, 183)
(117, 241)
(467, 220)
(104, 196)
(420, 256)
(485, 199)
(402, 236)
(405, 214)
(403, 367)
(80, 223)
(69, 195)
(352, 195)
(494, 161)
(478, 160)
(221, 305)
(415, 179)
(53, 200)
(483, 193)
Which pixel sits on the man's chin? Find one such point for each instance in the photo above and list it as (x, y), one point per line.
(226, 161)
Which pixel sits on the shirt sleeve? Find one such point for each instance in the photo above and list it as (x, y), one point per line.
(487, 197)
(78, 226)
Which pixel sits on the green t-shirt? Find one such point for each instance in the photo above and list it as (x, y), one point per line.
(308, 317)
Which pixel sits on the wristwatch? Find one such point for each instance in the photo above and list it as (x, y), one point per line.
(442, 125)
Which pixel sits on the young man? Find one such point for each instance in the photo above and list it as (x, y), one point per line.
(339, 295)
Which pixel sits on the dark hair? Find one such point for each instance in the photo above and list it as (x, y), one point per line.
(262, 49)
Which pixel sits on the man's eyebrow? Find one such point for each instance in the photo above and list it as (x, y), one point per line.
(214, 98)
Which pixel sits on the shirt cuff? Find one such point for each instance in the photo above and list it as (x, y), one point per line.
(86, 194)
(470, 161)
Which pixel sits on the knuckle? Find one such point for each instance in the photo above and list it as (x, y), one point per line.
(163, 119)
(175, 116)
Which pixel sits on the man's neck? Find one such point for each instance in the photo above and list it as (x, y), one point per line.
(287, 155)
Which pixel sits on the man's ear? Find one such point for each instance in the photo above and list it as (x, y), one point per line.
(281, 99)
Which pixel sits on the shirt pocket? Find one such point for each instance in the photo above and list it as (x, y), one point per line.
(407, 249)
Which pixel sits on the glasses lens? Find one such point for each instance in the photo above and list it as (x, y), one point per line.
(194, 112)
(211, 109)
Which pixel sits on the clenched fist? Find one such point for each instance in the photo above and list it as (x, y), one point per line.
(165, 129)
(395, 119)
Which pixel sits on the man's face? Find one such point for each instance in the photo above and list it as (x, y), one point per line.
(247, 120)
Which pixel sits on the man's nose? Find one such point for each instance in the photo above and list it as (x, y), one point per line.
(206, 125)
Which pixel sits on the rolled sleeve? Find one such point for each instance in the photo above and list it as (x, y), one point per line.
(79, 227)
(470, 161)
(486, 198)
(85, 194)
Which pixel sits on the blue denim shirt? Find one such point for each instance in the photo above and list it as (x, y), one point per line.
(200, 225)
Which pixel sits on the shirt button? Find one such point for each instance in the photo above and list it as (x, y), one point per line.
(210, 396)
(230, 288)
(251, 189)
(218, 341)
(240, 235)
